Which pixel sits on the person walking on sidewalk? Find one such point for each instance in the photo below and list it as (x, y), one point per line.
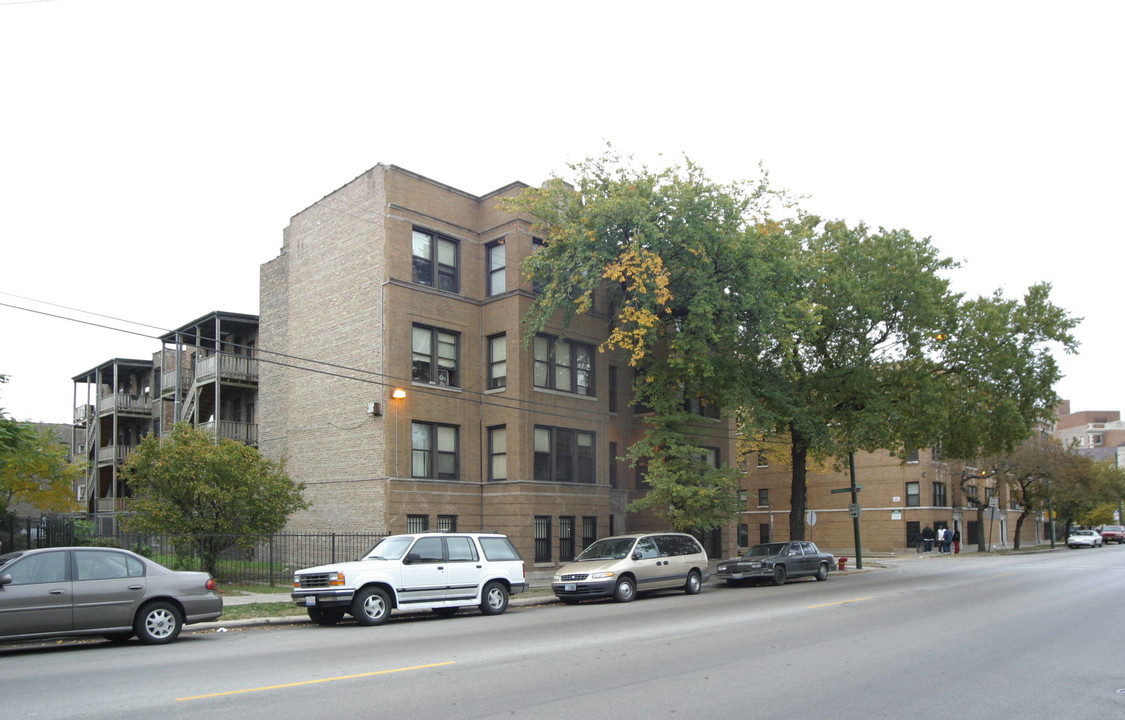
(956, 542)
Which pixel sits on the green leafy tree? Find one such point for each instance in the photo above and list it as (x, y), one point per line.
(34, 467)
(1027, 470)
(222, 494)
(689, 278)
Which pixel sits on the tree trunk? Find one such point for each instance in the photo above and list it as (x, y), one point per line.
(799, 490)
(1019, 526)
(981, 547)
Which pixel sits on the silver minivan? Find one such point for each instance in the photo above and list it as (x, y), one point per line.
(623, 565)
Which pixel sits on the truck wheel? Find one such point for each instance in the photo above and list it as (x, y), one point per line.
(494, 599)
(326, 616)
(371, 606)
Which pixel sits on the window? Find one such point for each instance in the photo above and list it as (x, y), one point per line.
(435, 356)
(563, 455)
(49, 567)
(971, 492)
(448, 523)
(743, 535)
(498, 453)
(763, 461)
(428, 550)
(613, 464)
(497, 361)
(417, 523)
(434, 451)
(589, 531)
(105, 565)
(612, 389)
(566, 538)
(913, 495)
(763, 497)
(764, 533)
(913, 529)
(536, 243)
(494, 268)
(939, 494)
(460, 549)
(542, 538)
(563, 365)
(435, 255)
(698, 406)
(640, 471)
(710, 457)
(912, 457)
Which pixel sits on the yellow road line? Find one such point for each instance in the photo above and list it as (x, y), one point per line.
(842, 602)
(313, 682)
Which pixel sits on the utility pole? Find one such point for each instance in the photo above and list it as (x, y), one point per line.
(855, 518)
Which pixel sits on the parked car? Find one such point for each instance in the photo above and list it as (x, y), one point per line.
(777, 562)
(52, 592)
(621, 566)
(443, 572)
(1113, 533)
(1084, 538)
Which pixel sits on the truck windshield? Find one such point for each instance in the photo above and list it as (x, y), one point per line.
(390, 548)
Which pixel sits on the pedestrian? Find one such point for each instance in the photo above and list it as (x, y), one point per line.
(919, 542)
(928, 538)
(947, 541)
(939, 540)
(956, 541)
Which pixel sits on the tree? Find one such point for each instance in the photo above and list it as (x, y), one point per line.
(34, 467)
(689, 277)
(1026, 471)
(222, 493)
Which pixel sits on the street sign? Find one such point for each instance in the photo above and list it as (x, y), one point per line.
(844, 490)
(810, 517)
(993, 501)
(854, 510)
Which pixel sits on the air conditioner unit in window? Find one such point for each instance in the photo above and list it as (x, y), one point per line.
(443, 377)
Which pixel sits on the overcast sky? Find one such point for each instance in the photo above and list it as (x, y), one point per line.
(154, 151)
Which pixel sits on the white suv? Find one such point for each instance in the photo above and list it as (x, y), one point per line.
(442, 572)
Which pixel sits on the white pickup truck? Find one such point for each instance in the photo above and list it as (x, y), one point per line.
(443, 572)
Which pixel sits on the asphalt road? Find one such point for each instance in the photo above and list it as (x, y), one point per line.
(1035, 636)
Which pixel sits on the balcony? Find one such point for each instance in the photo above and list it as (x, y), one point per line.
(245, 433)
(238, 368)
(168, 382)
(126, 404)
(105, 505)
(115, 453)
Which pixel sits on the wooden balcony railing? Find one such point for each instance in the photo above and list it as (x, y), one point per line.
(231, 367)
(245, 433)
(119, 402)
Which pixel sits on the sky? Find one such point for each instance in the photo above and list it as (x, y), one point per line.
(152, 152)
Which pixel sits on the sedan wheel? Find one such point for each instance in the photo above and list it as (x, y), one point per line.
(779, 575)
(822, 572)
(158, 623)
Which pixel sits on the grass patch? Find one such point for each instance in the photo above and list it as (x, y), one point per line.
(261, 610)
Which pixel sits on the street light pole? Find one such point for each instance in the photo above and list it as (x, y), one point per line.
(855, 520)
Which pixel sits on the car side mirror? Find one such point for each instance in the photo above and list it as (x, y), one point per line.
(636, 554)
(411, 558)
(5, 579)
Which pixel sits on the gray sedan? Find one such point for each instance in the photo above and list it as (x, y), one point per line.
(51, 592)
(777, 562)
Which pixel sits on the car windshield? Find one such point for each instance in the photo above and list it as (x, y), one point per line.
(767, 550)
(1083, 532)
(390, 548)
(1113, 528)
(608, 549)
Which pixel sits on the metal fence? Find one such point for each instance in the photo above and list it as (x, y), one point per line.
(238, 559)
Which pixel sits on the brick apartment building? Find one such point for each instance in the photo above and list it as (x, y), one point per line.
(1100, 434)
(396, 384)
(897, 499)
